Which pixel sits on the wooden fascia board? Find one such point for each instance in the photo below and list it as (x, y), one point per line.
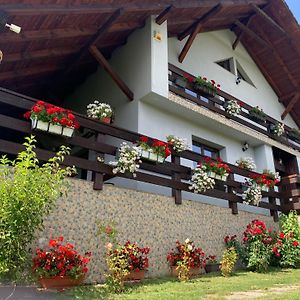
(115, 77)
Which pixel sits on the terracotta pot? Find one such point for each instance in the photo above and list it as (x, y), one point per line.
(106, 120)
(193, 271)
(135, 276)
(59, 282)
(212, 268)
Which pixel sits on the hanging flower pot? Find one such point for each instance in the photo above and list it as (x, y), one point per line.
(106, 120)
(60, 282)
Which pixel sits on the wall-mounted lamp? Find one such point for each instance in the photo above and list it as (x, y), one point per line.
(245, 146)
(14, 28)
(157, 35)
(238, 80)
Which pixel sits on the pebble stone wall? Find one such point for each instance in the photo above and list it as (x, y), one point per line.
(151, 220)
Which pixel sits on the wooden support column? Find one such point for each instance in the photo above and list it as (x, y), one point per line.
(290, 106)
(98, 177)
(115, 77)
(273, 213)
(177, 194)
(232, 205)
(163, 16)
(253, 35)
(241, 33)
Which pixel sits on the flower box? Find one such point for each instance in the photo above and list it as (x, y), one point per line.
(209, 268)
(59, 282)
(265, 188)
(206, 92)
(106, 120)
(151, 156)
(52, 128)
(193, 271)
(217, 176)
(135, 276)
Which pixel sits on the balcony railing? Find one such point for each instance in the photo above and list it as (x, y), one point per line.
(173, 174)
(216, 104)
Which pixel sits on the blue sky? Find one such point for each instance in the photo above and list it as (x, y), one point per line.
(295, 8)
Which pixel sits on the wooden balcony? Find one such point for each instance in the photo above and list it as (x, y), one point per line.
(216, 104)
(93, 136)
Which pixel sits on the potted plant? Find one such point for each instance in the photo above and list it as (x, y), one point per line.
(252, 194)
(277, 129)
(186, 260)
(128, 262)
(246, 163)
(51, 118)
(177, 144)
(216, 169)
(208, 88)
(212, 264)
(266, 180)
(200, 180)
(153, 150)
(128, 160)
(60, 266)
(294, 133)
(100, 111)
(257, 115)
(232, 107)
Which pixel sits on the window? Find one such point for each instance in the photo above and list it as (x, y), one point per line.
(242, 74)
(227, 64)
(205, 150)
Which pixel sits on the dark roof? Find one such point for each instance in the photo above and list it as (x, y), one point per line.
(56, 34)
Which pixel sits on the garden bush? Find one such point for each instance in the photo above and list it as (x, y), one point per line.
(28, 191)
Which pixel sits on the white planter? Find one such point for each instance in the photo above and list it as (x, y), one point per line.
(149, 155)
(265, 188)
(52, 128)
(68, 131)
(160, 159)
(56, 129)
(211, 174)
(224, 177)
(153, 156)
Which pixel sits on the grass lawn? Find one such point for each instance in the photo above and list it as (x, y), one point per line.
(276, 284)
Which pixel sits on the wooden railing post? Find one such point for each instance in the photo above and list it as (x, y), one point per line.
(177, 194)
(98, 178)
(232, 205)
(273, 213)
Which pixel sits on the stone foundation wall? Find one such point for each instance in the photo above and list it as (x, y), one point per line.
(151, 220)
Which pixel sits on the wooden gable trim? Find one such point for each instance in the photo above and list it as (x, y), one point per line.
(163, 16)
(107, 67)
(213, 11)
(290, 106)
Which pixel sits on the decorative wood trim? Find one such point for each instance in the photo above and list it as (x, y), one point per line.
(115, 77)
(213, 11)
(266, 17)
(290, 106)
(163, 16)
(251, 33)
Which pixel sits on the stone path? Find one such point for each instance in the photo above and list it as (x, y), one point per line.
(30, 293)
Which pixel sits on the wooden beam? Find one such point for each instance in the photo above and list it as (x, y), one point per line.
(32, 35)
(188, 43)
(105, 64)
(266, 17)
(241, 33)
(162, 17)
(251, 33)
(24, 56)
(213, 11)
(93, 40)
(288, 96)
(290, 106)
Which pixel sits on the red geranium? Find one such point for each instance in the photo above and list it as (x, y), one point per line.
(60, 260)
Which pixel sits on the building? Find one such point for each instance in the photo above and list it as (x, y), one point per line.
(135, 57)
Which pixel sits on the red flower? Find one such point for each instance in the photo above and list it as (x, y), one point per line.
(281, 235)
(53, 243)
(295, 243)
(27, 115)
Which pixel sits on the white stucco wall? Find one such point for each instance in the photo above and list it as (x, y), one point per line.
(210, 47)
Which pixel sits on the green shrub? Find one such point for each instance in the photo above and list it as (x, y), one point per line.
(228, 261)
(28, 191)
